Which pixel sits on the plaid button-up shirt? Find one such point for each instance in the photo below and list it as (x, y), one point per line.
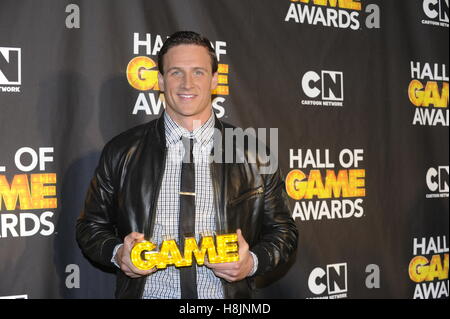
(166, 283)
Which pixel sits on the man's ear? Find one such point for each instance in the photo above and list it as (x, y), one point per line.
(161, 81)
(214, 81)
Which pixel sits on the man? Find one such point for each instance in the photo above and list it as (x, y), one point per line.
(156, 181)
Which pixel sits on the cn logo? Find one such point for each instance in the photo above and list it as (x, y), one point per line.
(437, 179)
(333, 280)
(329, 84)
(436, 9)
(10, 73)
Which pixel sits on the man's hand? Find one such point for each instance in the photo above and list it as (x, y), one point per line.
(238, 270)
(123, 256)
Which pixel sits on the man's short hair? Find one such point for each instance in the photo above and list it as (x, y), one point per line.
(187, 37)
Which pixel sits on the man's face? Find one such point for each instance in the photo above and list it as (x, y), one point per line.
(187, 82)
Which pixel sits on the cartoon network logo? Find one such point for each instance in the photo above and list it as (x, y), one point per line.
(436, 12)
(329, 282)
(437, 182)
(323, 88)
(10, 69)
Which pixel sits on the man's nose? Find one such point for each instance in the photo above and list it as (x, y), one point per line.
(187, 82)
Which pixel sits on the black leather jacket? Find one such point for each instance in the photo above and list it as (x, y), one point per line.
(122, 199)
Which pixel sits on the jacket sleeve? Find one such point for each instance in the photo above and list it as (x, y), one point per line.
(95, 230)
(279, 236)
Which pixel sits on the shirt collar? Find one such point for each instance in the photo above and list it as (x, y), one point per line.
(202, 134)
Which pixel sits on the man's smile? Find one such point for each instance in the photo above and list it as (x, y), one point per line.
(186, 96)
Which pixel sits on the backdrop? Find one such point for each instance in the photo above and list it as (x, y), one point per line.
(358, 91)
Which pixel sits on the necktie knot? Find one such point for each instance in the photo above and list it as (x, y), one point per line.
(188, 145)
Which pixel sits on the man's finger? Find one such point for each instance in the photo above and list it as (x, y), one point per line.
(222, 266)
(132, 238)
(242, 243)
(228, 275)
(240, 238)
(135, 236)
(131, 271)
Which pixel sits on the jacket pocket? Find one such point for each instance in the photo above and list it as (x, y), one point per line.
(247, 195)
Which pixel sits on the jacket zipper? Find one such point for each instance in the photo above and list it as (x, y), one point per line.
(216, 194)
(257, 191)
(156, 194)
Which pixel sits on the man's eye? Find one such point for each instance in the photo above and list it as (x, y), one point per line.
(198, 72)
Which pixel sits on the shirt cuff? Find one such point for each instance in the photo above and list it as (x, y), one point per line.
(113, 259)
(255, 265)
